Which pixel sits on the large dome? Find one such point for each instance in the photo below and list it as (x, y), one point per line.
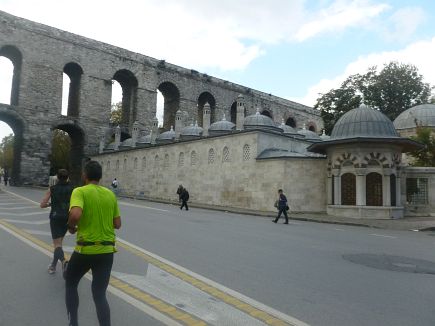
(363, 122)
(423, 114)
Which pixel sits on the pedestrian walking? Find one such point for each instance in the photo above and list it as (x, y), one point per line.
(282, 207)
(184, 196)
(114, 186)
(57, 197)
(6, 177)
(94, 215)
(179, 191)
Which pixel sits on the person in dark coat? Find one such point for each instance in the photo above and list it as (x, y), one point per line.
(282, 207)
(179, 191)
(184, 196)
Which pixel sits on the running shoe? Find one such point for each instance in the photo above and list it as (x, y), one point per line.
(51, 269)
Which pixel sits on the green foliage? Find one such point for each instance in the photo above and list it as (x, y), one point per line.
(116, 113)
(7, 153)
(394, 89)
(60, 150)
(426, 156)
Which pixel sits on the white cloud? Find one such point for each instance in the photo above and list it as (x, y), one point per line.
(419, 54)
(340, 16)
(403, 23)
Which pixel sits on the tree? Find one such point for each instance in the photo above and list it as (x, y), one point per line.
(394, 89)
(60, 150)
(425, 156)
(116, 113)
(7, 153)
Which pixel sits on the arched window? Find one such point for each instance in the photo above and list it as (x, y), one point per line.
(374, 189)
(312, 127)
(246, 152)
(156, 161)
(291, 122)
(125, 165)
(129, 84)
(225, 154)
(117, 165)
(348, 189)
(267, 113)
(144, 163)
(193, 158)
(135, 163)
(166, 162)
(211, 156)
(71, 90)
(15, 56)
(108, 166)
(393, 190)
(181, 159)
(171, 103)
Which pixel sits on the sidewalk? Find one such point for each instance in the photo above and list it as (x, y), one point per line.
(421, 223)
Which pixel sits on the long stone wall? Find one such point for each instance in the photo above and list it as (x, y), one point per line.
(219, 171)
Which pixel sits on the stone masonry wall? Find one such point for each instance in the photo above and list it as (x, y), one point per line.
(240, 181)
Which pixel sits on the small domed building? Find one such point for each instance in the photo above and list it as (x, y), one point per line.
(364, 165)
(418, 116)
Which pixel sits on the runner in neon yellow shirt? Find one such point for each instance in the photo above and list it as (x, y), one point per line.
(94, 215)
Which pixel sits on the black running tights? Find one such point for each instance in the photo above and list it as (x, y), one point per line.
(78, 266)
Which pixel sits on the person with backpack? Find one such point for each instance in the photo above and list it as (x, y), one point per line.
(282, 207)
(57, 197)
(184, 196)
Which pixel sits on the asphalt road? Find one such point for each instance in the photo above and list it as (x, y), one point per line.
(203, 267)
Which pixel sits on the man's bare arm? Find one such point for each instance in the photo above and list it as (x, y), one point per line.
(73, 219)
(117, 222)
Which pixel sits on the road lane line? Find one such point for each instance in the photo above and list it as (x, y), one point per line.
(382, 235)
(46, 221)
(152, 306)
(141, 206)
(254, 308)
(22, 197)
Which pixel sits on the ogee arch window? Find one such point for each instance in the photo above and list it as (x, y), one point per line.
(348, 189)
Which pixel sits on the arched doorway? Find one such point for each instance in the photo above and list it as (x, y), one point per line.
(11, 143)
(67, 150)
(206, 97)
(171, 98)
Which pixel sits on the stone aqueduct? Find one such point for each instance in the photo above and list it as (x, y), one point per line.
(41, 55)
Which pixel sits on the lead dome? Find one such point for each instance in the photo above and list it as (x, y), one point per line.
(423, 115)
(363, 122)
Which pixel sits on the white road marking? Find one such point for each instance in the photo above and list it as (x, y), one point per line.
(16, 208)
(25, 214)
(46, 221)
(180, 294)
(382, 235)
(9, 204)
(141, 206)
(339, 229)
(291, 320)
(22, 197)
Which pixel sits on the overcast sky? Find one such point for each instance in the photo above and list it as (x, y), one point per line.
(291, 48)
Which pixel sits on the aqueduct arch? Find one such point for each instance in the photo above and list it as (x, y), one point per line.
(36, 95)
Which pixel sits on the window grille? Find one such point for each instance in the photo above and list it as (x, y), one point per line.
(246, 153)
(348, 189)
(211, 156)
(193, 158)
(226, 155)
(181, 159)
(374, 189)
(166, 163)
(417, 191)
